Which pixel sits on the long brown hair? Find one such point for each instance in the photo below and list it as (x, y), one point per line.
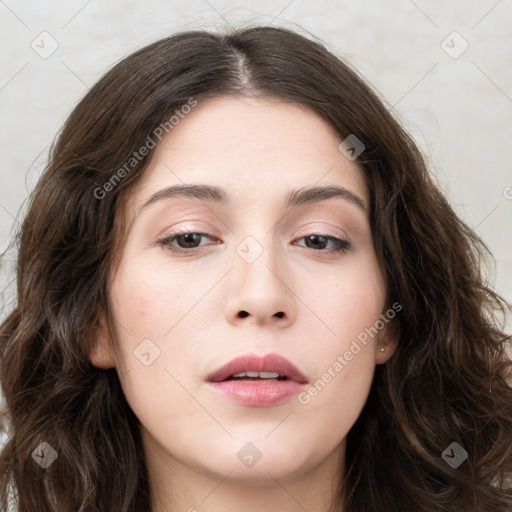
(448, 381)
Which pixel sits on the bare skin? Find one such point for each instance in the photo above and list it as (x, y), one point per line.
(188, 305)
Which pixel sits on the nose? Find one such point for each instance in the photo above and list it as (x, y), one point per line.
(260, 292)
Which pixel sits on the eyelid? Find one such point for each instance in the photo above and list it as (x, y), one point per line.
(329, 233)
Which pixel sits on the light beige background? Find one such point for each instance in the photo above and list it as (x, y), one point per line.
(458, 109)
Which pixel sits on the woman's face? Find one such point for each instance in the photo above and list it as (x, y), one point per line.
(257, 279)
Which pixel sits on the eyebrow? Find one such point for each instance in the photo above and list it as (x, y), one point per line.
(294, 198)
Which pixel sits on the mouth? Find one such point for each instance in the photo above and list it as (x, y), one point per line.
(257, 376)
(258, 381)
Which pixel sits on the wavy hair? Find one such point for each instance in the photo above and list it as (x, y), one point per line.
(448, 381)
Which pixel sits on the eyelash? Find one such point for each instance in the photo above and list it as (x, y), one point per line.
(340, 245)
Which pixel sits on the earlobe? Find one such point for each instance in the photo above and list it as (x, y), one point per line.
(386, 344)
(102, 354)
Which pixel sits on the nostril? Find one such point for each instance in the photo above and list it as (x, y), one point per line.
(243, 314)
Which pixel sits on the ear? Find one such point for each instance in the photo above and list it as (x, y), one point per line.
(387, 340)
(102, 354)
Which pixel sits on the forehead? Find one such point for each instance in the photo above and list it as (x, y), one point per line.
(254, 148)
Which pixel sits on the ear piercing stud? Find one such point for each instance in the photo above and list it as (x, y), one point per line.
(382, 349)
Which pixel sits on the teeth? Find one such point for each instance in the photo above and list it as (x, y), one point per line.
(269, 375)
(261, 375)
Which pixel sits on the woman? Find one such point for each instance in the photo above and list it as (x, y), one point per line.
(238, 289)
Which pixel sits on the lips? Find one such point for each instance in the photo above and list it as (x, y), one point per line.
(261, 381)
(254, 363)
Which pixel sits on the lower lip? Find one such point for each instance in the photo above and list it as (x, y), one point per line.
(258, 393)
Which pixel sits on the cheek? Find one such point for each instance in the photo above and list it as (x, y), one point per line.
(344, 356)
(152, 308)
(345, 302)
(149, 300)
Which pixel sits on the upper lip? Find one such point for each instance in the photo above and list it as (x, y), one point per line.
(255, 363)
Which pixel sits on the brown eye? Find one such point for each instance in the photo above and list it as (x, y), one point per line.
(316, 241)
(320, 242)
(188, 240)
(182, 242)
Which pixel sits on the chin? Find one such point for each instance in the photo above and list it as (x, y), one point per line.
(259, 461)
